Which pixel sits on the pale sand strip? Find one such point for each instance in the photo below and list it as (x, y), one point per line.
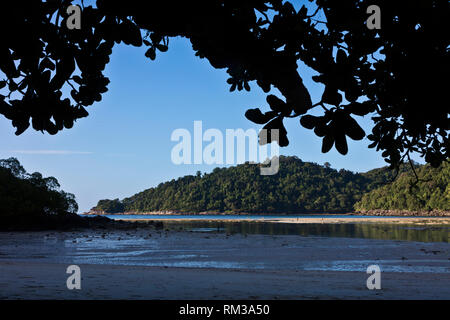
(408, 220)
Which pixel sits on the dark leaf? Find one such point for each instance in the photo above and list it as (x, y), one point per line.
(162, 47)
(275, 103)
(353, 129)
(275, 124)
(302, 99)
(341, 144)
(150, 53)
(341, 57)
(81, 112)
(309, 121)
(360, 109)
(321, 130)
(68, 123)
(77, 79)
(12, 86)
(256, 116)
(331, 96)
(327, 143)
(46, 63)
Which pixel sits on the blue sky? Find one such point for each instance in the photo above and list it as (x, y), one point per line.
(124, 146)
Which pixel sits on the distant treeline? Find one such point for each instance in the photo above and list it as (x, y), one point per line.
(299, 187)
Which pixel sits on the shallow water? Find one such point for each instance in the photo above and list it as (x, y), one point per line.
(404, 232)
(270, 247)
(245, 245)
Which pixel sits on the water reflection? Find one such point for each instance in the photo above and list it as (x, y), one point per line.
(382, 231)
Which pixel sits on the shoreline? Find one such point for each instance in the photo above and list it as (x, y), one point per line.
(174, 213)
(368, 213)
(312, 220)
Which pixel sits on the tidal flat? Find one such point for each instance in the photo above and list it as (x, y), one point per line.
(194, 260)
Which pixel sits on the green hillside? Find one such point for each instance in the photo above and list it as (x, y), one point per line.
(432, 192)
(299, 187)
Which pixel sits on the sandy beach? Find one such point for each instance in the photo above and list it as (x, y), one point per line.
(144, 264)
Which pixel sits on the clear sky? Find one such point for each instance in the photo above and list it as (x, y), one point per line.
(124, 146)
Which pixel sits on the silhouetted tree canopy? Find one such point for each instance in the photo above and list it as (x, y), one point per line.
(24, 195)
(396, 74)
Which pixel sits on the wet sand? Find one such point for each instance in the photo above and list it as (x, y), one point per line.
(47, 281)
(145, 264)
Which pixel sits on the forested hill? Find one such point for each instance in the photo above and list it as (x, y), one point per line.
(430, 193)
(299, 187)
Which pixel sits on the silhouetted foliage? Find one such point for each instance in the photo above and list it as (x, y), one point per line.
(298, 187)
(396, 74)
(30, 196)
